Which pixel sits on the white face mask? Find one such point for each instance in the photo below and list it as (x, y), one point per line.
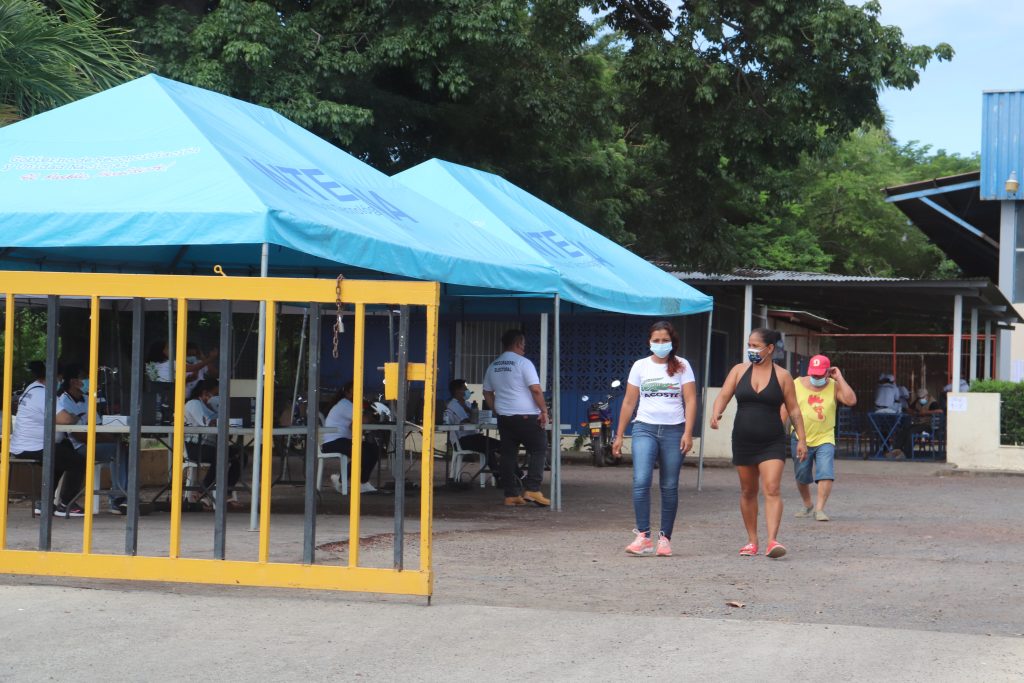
(661, 349)
(818, 381)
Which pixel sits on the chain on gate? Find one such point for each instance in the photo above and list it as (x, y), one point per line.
(339, 324)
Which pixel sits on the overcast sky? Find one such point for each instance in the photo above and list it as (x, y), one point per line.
(944, 110)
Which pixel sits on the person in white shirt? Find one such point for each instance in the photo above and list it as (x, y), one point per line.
(27, 443)
(72, 408)
(340, 441)
(458, 412)
(512, 390)
(160, 368)
(202, 448)
(662, 389)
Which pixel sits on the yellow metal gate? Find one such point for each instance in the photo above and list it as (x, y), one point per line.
(261, 572)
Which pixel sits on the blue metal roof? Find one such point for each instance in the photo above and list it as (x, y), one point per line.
(1002, 143)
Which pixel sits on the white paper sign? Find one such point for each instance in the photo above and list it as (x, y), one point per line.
(957, 404)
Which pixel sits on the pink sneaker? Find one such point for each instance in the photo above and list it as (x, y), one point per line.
(641, 545)
(664, 547)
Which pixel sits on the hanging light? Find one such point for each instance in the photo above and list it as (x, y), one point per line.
(1012, 184)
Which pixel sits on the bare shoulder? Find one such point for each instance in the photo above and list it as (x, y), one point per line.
(783, 373)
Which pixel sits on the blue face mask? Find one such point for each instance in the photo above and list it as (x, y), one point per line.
(661, 350)
(923, 401)
(754, 356)
(85, 387)
(469, 392)
(818, 381)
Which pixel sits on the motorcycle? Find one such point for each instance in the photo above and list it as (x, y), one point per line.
(599, 422)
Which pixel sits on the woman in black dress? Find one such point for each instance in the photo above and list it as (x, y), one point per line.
(759, 441)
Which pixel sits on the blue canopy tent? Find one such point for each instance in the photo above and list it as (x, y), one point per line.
(158, 176)
(595, 272)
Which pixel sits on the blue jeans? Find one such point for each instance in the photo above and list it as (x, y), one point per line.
(659, 443)
(821, 457)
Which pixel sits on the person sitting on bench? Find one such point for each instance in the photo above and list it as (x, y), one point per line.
(27, 443)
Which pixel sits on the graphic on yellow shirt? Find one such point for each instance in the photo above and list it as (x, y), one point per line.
(818, 409)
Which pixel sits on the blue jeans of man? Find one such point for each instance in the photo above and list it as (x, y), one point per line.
(656, 443)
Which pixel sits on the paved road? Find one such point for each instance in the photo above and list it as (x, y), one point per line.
(916, 578)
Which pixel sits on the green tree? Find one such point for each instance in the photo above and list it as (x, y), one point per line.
(830, 215)
(722, 94)
(523, 89)
(57, 52)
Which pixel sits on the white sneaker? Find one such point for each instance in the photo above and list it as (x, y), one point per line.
(336, 482)
(367, 488)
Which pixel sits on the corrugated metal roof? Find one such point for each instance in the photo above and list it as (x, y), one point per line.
(762, 275)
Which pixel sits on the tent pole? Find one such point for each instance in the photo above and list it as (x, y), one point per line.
(170, 336)
(704, 405)
(298, 370)
(556, 418)
(257, 442)
(543, 351)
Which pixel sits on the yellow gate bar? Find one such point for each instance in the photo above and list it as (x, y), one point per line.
(90, 437)
(202, 287)
(7, 428)
(267, 462)
(226, 572)
(356, 478)
(180, 336)
(427, 456)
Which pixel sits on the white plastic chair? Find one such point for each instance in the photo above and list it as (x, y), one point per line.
(321, 457)
(460, 454)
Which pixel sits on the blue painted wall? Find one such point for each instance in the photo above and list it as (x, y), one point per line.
(1002, 143)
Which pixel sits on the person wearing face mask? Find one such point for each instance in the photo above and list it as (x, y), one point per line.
(202, 448)
(457, 412)
(921, 411)
(72, 409)
(759, 441)
(818, 393)
(662, 389)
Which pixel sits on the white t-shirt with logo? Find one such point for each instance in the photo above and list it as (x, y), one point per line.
(339, 417)
(28, 427)
(661, 396)
(510, 377)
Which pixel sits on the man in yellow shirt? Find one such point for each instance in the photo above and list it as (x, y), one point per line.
(818, 393)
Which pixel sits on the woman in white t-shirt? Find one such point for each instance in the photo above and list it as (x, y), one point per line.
(663, 386)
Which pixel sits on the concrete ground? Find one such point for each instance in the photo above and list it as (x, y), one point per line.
(917, 577)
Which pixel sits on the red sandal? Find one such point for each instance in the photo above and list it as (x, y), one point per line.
(775, 550)
(749, 550)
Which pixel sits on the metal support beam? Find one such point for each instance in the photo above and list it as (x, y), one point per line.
(748, 311)
(135, 379)
(988, 350)
(398, 468)
(544, 351)
(49, 421)
(223, 439)
(312, 436)
(704, 404)
(257, 442)
(959, 221)
(556, 410)
(973, 363)
(958, 335)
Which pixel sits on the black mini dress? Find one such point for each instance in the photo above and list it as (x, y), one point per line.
(757, 433)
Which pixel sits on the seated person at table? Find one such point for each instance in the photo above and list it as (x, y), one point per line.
(340, 441)
(202, 448)
(921, 412)
(27, 443)
(887, 395)
(470, 439)
(72, 409)
(160, 368)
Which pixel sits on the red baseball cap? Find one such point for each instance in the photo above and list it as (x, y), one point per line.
(818, 366)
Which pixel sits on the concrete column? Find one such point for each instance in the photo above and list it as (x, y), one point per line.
(987, 373)
(1009, 216)
(958, 334)
(973, 372)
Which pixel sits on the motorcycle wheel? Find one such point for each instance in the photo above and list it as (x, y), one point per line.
(598, 446)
